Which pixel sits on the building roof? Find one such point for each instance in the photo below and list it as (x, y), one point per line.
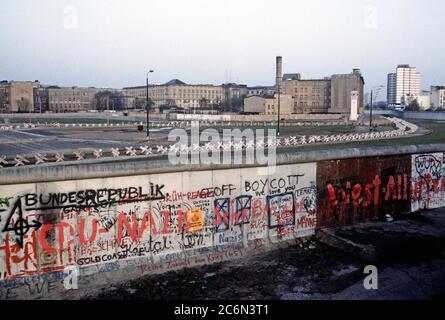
(175, 82)
(291, 76)
(261, 87)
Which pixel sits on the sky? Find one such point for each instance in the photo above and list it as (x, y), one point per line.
(113, 43)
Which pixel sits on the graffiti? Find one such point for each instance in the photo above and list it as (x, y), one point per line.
(17, 224)
(91, 197)
(222, 214)
(260, 187)
(428, 181)
(4, 202)
(173, 220)
(356, 190)
(243, 209)
(429, 164)
(281, 210)
(205, 193)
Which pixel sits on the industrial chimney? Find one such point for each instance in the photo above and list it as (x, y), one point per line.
(279, 76)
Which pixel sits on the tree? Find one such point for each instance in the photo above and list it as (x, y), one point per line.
(203, 104)
(3, 100)
(413, 106)
(149, 104)
(238, 103)
(139, 103)
(24, 105)
(111, 100)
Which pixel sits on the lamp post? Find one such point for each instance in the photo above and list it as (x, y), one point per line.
(148, 107)
(377, 88)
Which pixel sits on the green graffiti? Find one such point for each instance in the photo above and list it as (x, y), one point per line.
(4, 202)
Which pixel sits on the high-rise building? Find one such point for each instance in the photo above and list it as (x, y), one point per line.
(391, 90)
(403, 86)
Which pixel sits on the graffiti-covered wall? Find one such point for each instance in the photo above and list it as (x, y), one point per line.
(125, 227)
(165, 221)
(428, 181)
(354, 190)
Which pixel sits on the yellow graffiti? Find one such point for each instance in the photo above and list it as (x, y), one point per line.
(195, 220)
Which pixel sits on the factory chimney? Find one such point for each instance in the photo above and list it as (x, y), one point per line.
(279, 76)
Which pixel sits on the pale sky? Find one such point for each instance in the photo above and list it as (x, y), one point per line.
(113, 43)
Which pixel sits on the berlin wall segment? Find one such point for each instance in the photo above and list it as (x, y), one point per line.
(161, 222)
(168, 221)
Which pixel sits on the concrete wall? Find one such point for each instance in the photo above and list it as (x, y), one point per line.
(435, 116)
(109, 225)
(237, 117)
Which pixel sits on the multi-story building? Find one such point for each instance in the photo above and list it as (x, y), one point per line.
(309, 96)
(328, 95)
(341, 87)
(438, 97)
(4, 96)
(391, 90)
(234, 95)
(268, 105)
(17, 96)
(258, 104)
(71, 99)
(176, 93)
(75, 99)
(424, 100)
(41, 99)
(261, 91)
(403, 86)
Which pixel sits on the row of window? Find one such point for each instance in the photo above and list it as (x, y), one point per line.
(314, 97)
(306, 104)
(68, 94)
(314, 90)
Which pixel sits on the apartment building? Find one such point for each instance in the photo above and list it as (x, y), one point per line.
(16, 96)
(328, 95)
(403, 86)
(309, 96)
(176, 93)
(438, 97)
(71, 99)
(341, 87)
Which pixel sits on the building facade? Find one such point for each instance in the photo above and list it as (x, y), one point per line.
(424, 100)
(309, 96)
(341, 87)
(71, 99)
(41, 99)
(328, 95)
(261, 91)
(403, 86)
(391, 90)
(176, 93)
(438, 97)
(17, 96)
(268, 105)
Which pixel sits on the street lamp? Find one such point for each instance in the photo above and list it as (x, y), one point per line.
(147, 107)
(377, 88)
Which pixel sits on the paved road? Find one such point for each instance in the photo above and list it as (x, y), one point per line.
(29, 142)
